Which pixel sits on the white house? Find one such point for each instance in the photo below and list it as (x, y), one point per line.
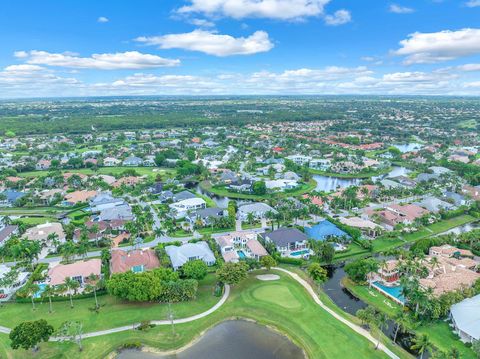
(181, 208)
(7, 291)
(465, 318)
(190, 252)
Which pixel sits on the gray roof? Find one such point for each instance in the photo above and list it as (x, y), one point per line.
(7, 231)
(207, 212)
(282, 237)
(123, 212)
(434, 204)
(466, 315)
(180, 196)
(425, 177)
(181, 255)
(255, 208)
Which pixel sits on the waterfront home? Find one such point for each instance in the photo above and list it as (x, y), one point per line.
(435, 205)
(325, 230)
(394, 214)
(190, 252)
(243, 185)
(6, 291)
(456, 198)
(182, 208)
(389, 272)
(299, 159)
(258, 210)
(183, 195)
(289, 242)
(10, 197)
(280, 184)
(465, 317)
(320, 164)
(367, 227)
(240, 245)
(104, 201)
(137, 261)
(78, 271)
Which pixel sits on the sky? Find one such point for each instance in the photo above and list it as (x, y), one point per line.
(58, 48)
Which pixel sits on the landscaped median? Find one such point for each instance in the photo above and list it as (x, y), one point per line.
(222, 191)
(283, 304)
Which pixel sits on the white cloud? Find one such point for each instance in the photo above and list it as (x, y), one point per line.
(439, 46)
(473, 3)
(201, 23)
(212, 43)
(272, 9)
(103, 19)
(474, 84)
(398, 9)
(116, 61)
(339, 17)
(469, 67)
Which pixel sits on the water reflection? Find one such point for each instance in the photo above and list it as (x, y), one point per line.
(407, 147)
(234, 339)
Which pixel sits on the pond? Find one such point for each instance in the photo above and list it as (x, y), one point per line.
(463, 228)
(233, 339)
(220, 201)
(328, 184)
(407, 147)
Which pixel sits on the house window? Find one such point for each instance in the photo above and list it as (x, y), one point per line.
(78, 278)
(137, 269)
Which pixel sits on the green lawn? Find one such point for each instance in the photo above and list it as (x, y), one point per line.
(440, 333)
(208, 230)
(382, 244)
(307, 325)
(149, 171)
(33, 221)
(220, 191)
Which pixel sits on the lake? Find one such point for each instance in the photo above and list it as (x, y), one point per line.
(233, 339)
(407, 147)
(328, 184)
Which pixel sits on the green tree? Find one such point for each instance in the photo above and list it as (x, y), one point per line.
(31, 289)
(48, 292)
(27, 335)
(71, 331)
(71, 286)
(268, 262)
(196, 269)
(232, 273)
(421, 344)
(93, 281)
(259, 188)
(317, 272)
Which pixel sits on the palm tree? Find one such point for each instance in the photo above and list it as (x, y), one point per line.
(93, 281)
(49, 291)
(380, 320)
(403, 323)
(71, 285)
(31, 289)
(422, 344)
(54, 240)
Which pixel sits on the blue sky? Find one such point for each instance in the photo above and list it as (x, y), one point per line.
(203, 47)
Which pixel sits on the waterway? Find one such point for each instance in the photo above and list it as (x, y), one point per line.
(233, 339)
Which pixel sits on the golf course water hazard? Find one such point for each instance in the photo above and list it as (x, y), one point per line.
(234, 339)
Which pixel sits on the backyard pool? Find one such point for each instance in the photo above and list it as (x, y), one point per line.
(41, 289)
(300, 253)
(241, 255)
(393, 292)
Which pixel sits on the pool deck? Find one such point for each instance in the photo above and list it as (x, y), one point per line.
(386, 294)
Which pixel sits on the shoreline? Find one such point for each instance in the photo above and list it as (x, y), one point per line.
(198, 337)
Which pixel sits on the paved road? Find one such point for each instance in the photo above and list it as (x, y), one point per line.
(337, 316)
(156, 322)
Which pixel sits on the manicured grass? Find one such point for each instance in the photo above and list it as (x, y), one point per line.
(113, 313)
(276, 294)
(304, 188)
(149, 171)
(37, 220)
(440, 334)
(208, 230)
(352, 175)
(308, 326)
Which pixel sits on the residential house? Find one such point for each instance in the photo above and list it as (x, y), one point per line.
(73, 198)
(435, 205)
(456, 198)
(465, 317)
(367, 227)
(180, 209)
(79, 271)
(43, 165)
(240, 245)
(10, 197)
(7, 232)
(111, 162)
(206, 216)
(137, 261)
(259, 210)
(41, 232)
(326, 230)
(7, 291)
(244, 185)
(190, 252)
(289, 242)
(132, 161)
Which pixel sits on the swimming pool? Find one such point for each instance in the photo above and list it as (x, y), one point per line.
(300, 253)
(41, 289)
(393, 292)
(241, 255)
